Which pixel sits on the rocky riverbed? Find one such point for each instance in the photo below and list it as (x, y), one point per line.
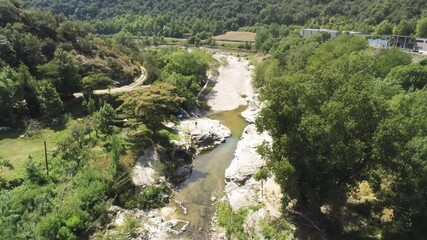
(196, 135)
(202, 133)
(242, 189)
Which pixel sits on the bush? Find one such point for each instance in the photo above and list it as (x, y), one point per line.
(232, 221)
(262, 174)
(278, 229)
(149, 197)
(34, 172)
(49, 226)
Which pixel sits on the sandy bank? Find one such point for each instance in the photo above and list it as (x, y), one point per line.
(233, 86)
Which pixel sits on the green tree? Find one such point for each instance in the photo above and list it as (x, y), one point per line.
(186, 87)
(322, 120)
(95, 81)
(49, 100)
(34, 172)
(49, 226)
(116, 150)
(405, 27)
(79, 132)
(63, 72)
(384, 28)
(401, 147)
(104, 118)
(71, 30)
(8, 96)
(153, 105)
(125, 39)
(422, 28)
(89, 104)
(264, 40)
(387, 59)
(27, 89)
(187, 64)
(409, 77)
(152, 65)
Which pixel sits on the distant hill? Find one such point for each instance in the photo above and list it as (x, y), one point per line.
(173, 17)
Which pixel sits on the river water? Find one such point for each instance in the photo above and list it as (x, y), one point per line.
(207, 179)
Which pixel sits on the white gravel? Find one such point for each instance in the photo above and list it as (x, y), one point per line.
(233, 83)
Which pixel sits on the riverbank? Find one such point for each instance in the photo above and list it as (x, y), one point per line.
(259, 195)
(233, 86)
(191, 207)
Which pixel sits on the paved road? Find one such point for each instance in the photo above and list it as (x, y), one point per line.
(137, 84)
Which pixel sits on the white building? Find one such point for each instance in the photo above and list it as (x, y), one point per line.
(422, 44)
(332, 33)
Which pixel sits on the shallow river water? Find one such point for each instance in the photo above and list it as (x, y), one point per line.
(207, 179)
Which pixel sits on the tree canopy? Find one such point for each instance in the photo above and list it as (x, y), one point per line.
(173, 18)
(36, 46)
(153, 105)
(348, 114)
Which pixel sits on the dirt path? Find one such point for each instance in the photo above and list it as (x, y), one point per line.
(137, 84)
(233, 87)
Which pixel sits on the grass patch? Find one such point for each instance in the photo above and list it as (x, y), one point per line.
(223, 61)
(232, 221)
(278, 229)
(262, 174)
(243, 95)
(150, 197)
(169, 134)
(17, 150)
(215, 73)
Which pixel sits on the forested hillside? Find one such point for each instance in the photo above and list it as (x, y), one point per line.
(172, 18)
(44, 57)
(64, 191)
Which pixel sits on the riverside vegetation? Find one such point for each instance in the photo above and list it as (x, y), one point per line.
(349, 130)
(348, 122)
(44, 59)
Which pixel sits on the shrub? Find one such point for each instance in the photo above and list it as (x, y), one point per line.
(232, 221)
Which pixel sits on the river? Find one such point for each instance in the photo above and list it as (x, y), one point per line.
(207, 179)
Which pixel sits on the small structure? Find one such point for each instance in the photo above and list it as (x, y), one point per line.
(399, 41)
(378, 43)
(331, 33)
(187, 35)
(310, 31)
(422, 44)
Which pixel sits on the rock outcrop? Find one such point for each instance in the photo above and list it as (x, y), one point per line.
(246, 160)
(203, 133)
(144, 173)
(242, 189)
(253, 109)
(152, 224)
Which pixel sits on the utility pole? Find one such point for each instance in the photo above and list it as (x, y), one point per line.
(45, 158)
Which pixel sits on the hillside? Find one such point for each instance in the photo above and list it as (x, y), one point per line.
(36, 46)
(172, 18)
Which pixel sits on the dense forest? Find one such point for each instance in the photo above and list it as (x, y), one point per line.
(347, 120)
(172, 18)
(44, 59)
